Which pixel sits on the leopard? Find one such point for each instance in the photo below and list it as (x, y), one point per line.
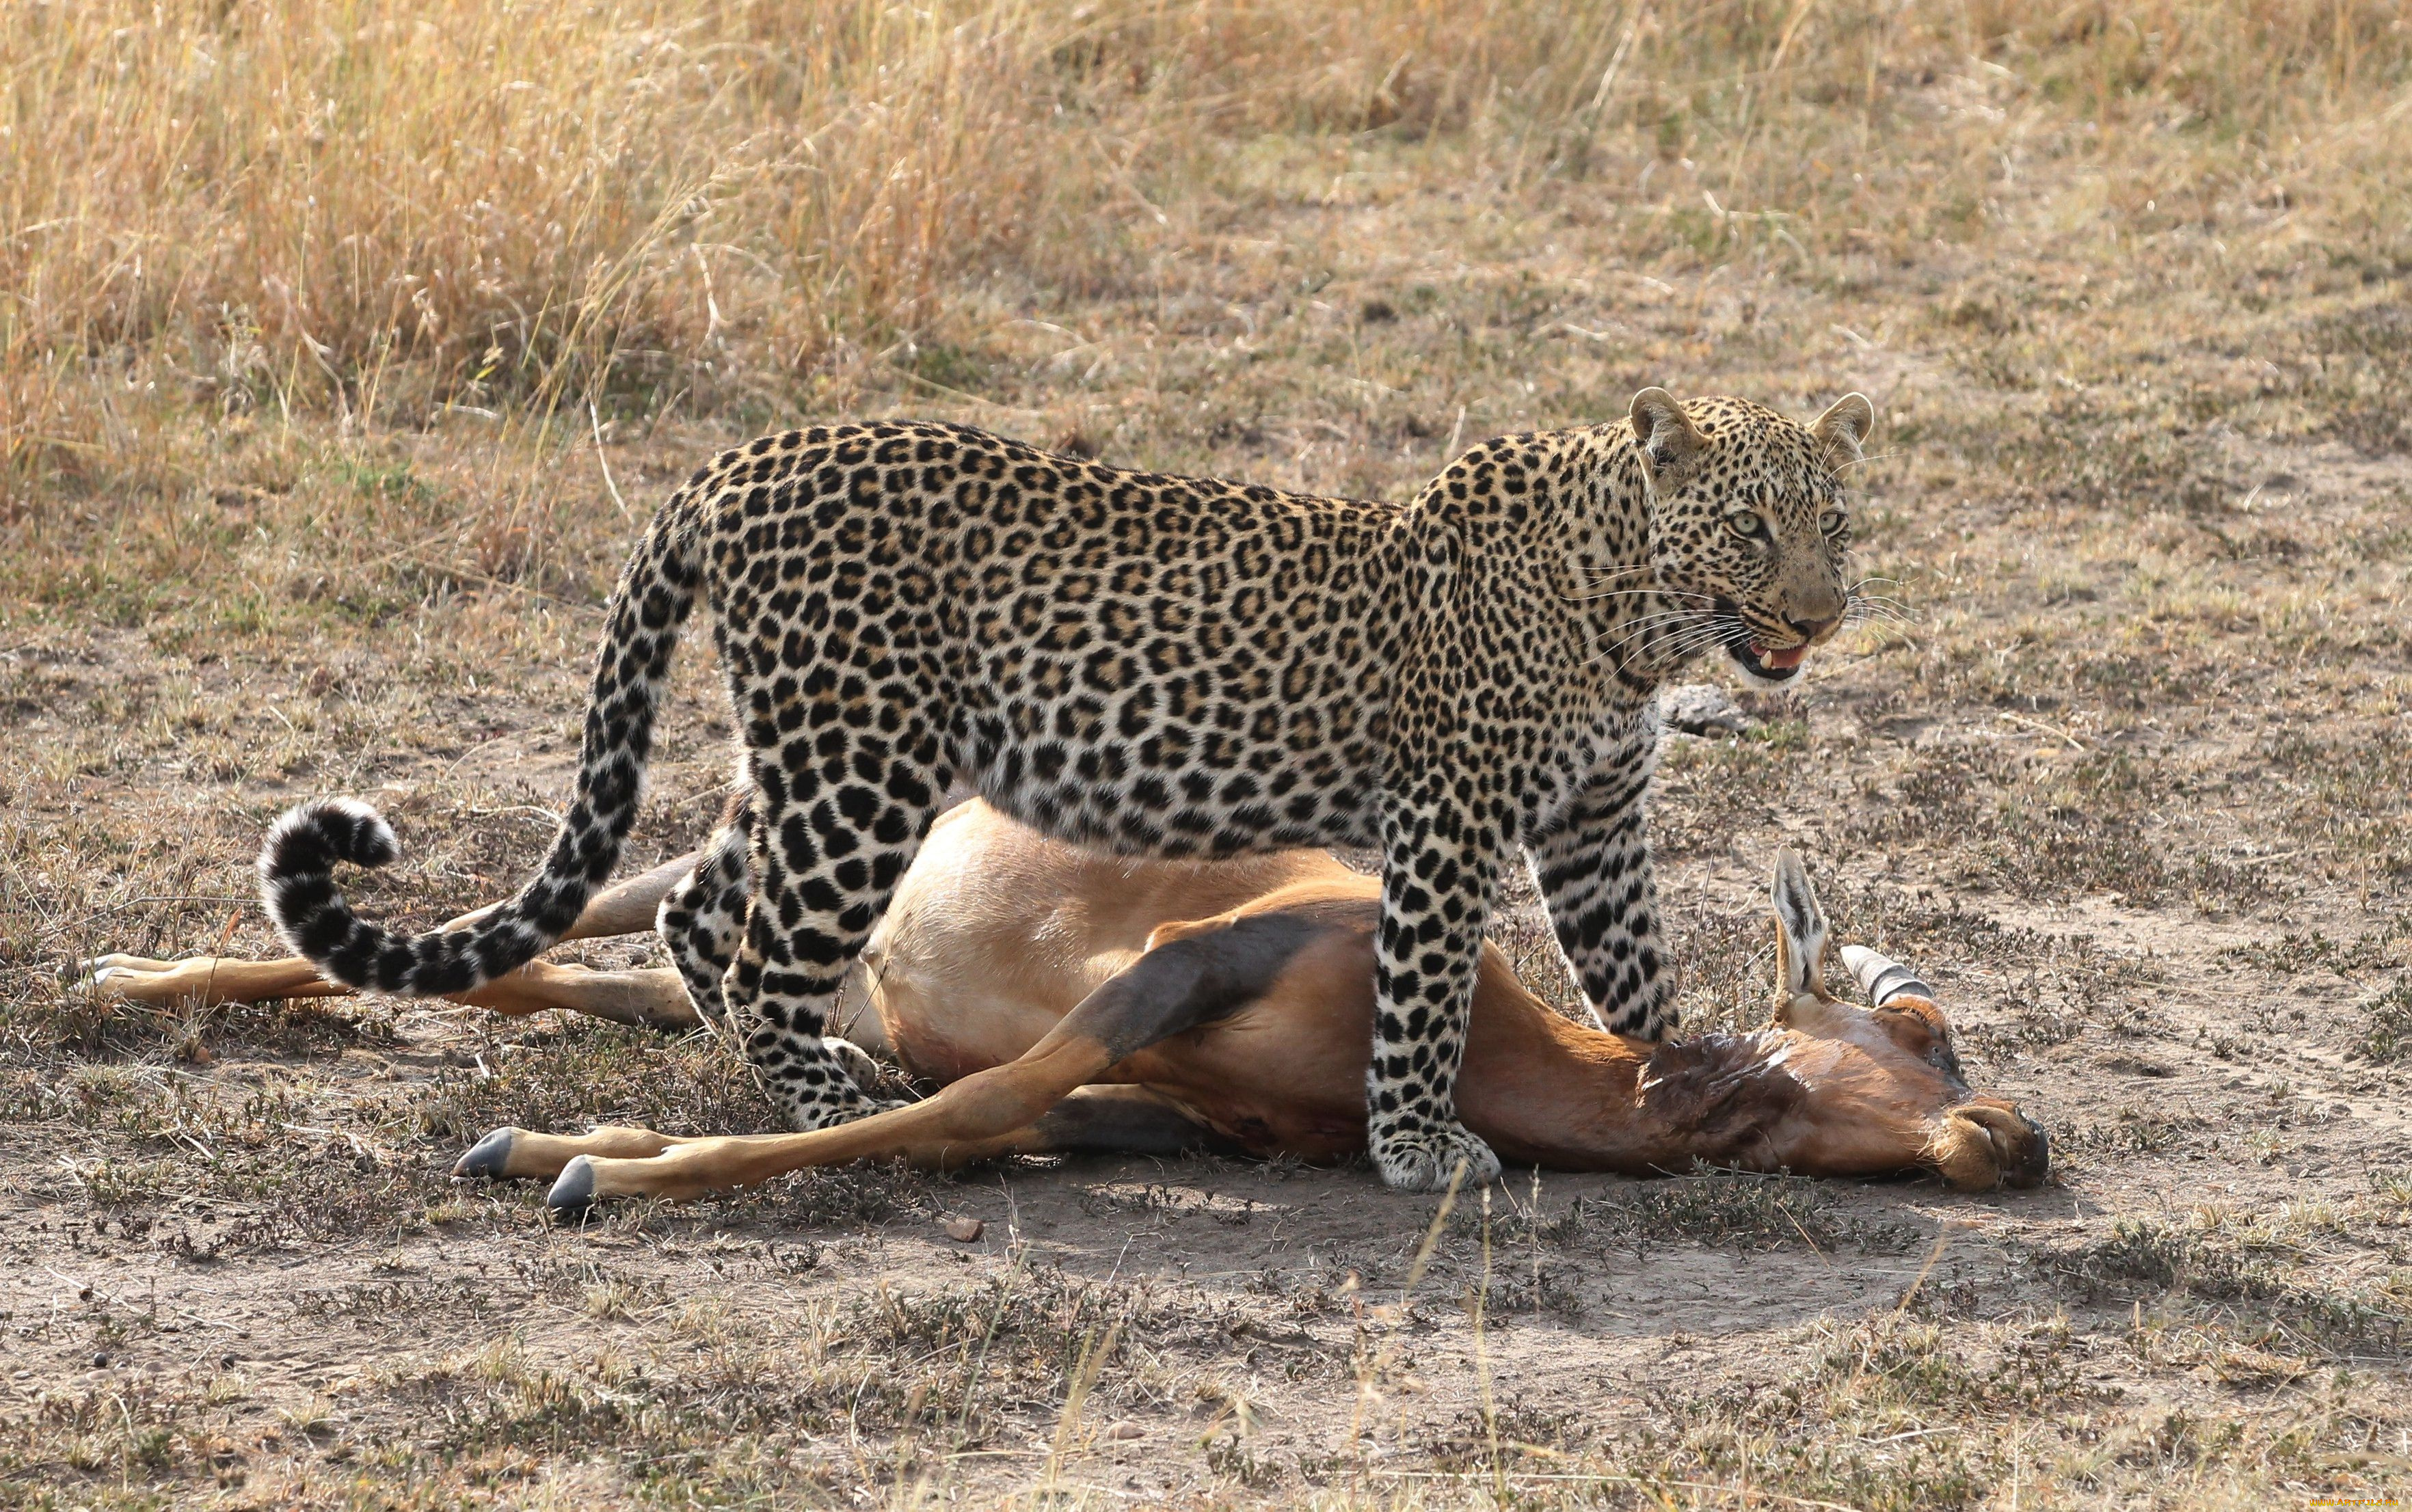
(1170, 666)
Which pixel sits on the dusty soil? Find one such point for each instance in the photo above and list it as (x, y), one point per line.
(2129, 788)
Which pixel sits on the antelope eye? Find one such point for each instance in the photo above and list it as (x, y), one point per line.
(1746, 524)
(1832, 521)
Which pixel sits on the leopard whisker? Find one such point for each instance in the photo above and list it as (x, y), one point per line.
(1880, 604)
(1866, 458)
(1686, 646)
(1637, 593)
(1854, 619)
(1654, 623)
(1669, 625)
(1678, 642)
(1676, 654)
(1680, 612)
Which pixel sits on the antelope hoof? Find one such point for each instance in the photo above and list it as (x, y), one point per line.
(573, 1190)
(118, 974)
(490, 1157)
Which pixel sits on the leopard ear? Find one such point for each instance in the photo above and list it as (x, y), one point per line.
(1669, 439)
(1843, 429)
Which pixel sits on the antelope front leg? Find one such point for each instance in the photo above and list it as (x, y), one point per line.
(653, 998)
(983, 1114)
(1090, 1119)
(205, 981)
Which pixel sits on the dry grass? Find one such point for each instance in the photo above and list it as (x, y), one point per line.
(321, 325)
(381, 211)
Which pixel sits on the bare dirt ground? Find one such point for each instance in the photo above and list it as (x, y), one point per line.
(2129, 788)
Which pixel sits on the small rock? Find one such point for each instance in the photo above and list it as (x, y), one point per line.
(100, 1362)
(1702, 709)
(966, 1230)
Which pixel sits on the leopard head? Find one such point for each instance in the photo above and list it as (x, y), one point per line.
(1749, 527)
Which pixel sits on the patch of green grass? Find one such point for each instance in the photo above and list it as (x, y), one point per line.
(1720, 1210)
(2364, 383)
(583, 1073)
(384, 480)
(2253, 1271)
(2386, 1035)
(2298, 951)
(952, 368)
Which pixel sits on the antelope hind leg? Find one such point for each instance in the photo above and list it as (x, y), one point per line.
(1085, 1119)
(515, 1153)
(1202, 974)
(983, 1111)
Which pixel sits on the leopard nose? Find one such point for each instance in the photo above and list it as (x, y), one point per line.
(1813, 629)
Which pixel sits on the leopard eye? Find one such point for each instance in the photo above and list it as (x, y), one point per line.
(1746, 524)
(1832, 521)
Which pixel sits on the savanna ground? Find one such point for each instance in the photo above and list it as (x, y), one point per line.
(333, 339)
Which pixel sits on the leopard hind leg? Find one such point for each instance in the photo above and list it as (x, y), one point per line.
(702, 922)
(824, 858)
(703, 918)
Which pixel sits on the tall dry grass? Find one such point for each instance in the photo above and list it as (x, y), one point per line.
(377, 208)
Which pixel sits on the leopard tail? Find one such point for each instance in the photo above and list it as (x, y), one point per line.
(656, 590)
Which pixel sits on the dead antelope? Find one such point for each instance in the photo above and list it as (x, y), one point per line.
(1075, 1002)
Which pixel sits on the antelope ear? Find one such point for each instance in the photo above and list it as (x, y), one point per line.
(1800, 930)
(1670, 441)
(1183, 929)
(1843, 429)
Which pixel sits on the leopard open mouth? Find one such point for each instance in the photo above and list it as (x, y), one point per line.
(1772, 664)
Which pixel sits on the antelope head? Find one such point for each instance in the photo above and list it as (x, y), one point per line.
(1886, 1091)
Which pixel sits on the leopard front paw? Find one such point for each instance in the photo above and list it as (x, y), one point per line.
(835, 1099)
(1425, 1157)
